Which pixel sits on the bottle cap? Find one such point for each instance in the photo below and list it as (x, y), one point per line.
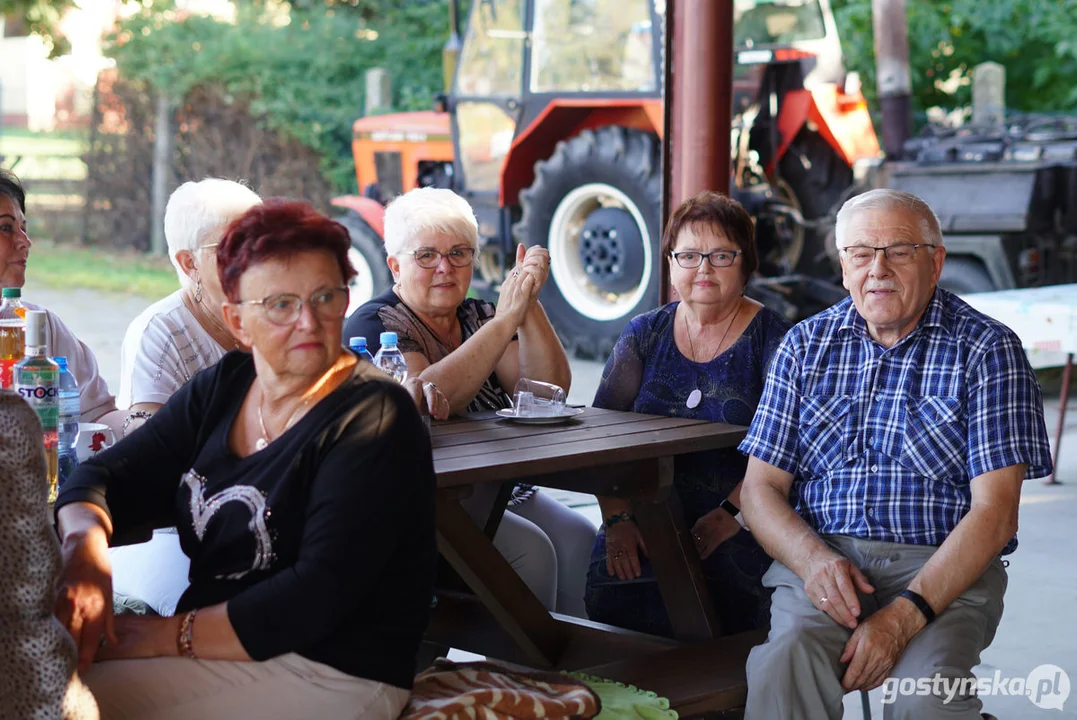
(388, 338)
(11, 292)
(35, 328)
(357, 342)
(61, 361)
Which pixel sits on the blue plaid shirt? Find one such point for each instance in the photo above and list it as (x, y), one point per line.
(883, 441)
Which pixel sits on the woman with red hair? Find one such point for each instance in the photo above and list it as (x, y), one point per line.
(301, 482)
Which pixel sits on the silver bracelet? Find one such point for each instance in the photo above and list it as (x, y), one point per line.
(136, 414)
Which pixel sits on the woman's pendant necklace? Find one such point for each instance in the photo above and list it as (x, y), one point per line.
(263, 442)
(696, 396)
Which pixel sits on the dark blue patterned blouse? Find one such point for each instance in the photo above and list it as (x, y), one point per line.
(646, 373)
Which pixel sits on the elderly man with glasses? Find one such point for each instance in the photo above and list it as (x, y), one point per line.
(885, 471)
(476, 355)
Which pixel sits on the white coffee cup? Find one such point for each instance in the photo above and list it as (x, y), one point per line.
(93, 438)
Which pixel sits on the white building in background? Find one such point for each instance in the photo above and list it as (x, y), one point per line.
(41, 94)
(27, 97)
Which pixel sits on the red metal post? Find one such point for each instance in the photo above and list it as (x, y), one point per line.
(699, 99)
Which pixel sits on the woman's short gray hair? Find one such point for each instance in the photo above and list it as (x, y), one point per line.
(198, 212)
(429, 210)
(889, 199)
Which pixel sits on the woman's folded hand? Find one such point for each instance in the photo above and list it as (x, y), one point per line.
(712, 530)
(138, 636)
(623, 547)
(84, 595)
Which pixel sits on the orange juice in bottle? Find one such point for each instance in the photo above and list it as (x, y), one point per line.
(12, 334)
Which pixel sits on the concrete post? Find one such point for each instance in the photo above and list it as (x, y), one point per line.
(379, 94)
(162, 172)
(988, 93)
(891, 28)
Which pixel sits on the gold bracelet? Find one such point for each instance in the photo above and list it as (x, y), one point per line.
(184, 638)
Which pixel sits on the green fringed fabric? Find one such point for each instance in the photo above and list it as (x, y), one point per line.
(626, 702)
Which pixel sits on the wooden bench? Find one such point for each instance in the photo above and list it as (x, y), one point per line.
(701, 679)
(704, 679)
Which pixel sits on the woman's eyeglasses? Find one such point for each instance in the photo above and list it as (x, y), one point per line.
(285, 308)
(429, 258)
(719, 258)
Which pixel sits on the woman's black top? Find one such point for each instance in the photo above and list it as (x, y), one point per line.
(321, 544)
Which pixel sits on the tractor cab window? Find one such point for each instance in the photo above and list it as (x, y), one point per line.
(492, 59)
(776, 22)
(593, 46)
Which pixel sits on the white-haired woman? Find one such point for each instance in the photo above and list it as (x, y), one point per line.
(165, 346)
(183, 333)
(475, 356)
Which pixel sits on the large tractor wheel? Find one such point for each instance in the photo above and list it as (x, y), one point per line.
(817, 177)
(595, 205)
(367, 256)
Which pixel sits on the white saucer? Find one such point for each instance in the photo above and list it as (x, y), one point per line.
(568, 414)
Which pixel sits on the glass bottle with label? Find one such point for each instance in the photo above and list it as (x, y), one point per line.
(37, 380)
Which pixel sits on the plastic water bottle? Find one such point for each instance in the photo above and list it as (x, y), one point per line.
(12, 335)
(70, 412)
(358, 346)
(390, 359)
(37, 380)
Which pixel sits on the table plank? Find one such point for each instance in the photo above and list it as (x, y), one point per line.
(495, 583)
(463, 431)
(676, 566)
(461, 621)
(492, 441)
(564, 457)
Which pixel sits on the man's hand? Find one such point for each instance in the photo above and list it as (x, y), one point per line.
(875, 646)
(712, 530)
(831, 584)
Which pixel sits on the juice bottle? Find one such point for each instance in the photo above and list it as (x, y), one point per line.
(12, 334)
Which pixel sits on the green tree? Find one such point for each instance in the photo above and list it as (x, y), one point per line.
(41, 17)
(1036, 40)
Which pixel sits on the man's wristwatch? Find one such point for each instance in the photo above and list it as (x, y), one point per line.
(733, 510)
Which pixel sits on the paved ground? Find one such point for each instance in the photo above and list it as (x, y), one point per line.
(1040, 622)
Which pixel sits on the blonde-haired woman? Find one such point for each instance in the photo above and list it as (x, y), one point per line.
(475, 355)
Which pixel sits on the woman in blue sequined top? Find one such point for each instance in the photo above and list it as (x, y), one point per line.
(703, 357)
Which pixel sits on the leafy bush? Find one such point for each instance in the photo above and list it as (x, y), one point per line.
(301, 72)
(1036, 40)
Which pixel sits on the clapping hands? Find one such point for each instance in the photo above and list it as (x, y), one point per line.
(520, 291)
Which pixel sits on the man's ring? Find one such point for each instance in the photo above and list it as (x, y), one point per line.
(617, 554)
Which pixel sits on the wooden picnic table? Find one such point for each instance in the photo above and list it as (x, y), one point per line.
(601, 452)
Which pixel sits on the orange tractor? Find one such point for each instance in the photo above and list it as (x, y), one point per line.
(553, 128)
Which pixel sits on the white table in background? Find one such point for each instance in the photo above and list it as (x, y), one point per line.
(1045, 319)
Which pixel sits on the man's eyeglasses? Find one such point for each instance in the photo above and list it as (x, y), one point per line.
(719, 258)
(899, 254)
(429, 258)
(285, 308)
